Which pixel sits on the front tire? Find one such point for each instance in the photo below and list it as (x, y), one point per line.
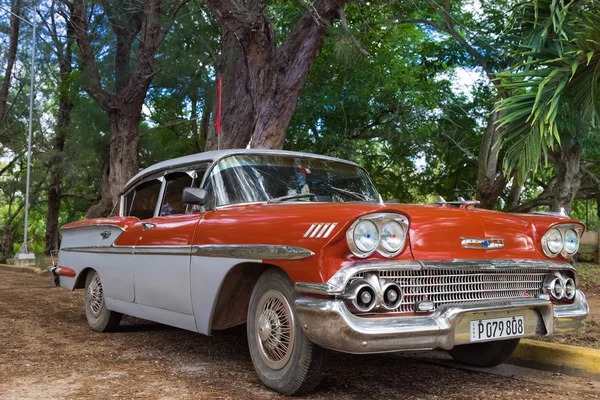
(283, 357)
(100, 318)
(487, 354)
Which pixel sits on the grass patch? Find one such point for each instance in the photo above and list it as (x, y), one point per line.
(589, 277)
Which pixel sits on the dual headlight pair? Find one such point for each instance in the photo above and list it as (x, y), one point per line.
(560, 286)
(561, 239)
(381, 232)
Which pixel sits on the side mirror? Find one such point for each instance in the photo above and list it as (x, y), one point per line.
(195, 196)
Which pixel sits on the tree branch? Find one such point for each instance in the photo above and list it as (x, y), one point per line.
(78, 17)
(168, 125)
(344, 22)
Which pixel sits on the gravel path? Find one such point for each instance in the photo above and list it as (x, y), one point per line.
(48, 352)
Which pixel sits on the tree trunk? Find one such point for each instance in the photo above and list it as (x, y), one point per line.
(56, 169)
(10, 56)
(568, 173)
(6, 243)
(514, 196)
(490, 184)
(65, 106)
(237, 110)
(123, 161)
(261, 83)
(149, 21)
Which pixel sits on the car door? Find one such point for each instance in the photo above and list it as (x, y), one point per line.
(163, 250)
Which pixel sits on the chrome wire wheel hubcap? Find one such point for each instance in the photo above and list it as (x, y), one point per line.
(274, 329)
(95, 295)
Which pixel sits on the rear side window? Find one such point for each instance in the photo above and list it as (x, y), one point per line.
(173, 199)
(144, 199)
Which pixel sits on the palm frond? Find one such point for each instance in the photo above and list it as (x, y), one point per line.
(557, 64)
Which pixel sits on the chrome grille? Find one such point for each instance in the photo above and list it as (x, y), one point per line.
(454, 286)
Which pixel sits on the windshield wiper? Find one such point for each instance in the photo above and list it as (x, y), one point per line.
(356, 195)
(291, 197)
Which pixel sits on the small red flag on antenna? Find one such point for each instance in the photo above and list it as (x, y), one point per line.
(219, 80)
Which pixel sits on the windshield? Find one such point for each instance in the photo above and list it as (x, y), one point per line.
(262, 177)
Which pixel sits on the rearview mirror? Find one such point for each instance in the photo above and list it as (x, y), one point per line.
(195, 196)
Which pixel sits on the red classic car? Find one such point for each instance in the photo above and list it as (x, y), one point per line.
(302, 249)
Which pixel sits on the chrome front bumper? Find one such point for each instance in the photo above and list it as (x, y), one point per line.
(329, 324)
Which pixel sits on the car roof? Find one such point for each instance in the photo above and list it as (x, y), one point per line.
(216, 155)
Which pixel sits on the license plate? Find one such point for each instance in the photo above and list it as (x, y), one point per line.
(497, 328)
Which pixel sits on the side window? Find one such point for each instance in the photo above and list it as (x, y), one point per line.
(144, 199)
(172, 201)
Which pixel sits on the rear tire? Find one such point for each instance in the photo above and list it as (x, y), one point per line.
(100, 318)
(487, 354)
(283, 357)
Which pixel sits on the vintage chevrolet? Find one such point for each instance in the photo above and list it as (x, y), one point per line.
(303, 250)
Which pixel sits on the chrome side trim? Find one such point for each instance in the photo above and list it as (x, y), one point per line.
(252, 251)
(147, 250)
(496, 264)
(331, 228)
(104, 250)
(308, 232)
(163, 250)
(91, 226)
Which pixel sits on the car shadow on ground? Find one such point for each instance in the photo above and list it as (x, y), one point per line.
(223, 358)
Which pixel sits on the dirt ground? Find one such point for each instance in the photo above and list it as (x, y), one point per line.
(48, 352)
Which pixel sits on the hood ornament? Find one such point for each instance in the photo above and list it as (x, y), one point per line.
(482, 244)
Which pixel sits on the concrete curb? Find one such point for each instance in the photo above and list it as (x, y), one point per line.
(572, 360)
(19, 268)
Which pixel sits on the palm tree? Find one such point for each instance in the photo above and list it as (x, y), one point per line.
(554, 100)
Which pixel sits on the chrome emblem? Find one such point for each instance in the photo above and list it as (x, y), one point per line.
(320, 230)
(482, 244)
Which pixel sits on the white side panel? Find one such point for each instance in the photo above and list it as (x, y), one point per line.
(166, 317)
(163, 281)
(89, 236)
(77, 262)
(207, 275)
(116, 274)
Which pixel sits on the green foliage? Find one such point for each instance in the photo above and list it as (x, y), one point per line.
(554, 83)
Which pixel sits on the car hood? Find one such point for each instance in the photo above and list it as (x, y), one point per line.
(437, 232)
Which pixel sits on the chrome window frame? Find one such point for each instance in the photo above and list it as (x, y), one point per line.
(190, 169)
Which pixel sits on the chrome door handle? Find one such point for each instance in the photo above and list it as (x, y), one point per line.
(147, 226)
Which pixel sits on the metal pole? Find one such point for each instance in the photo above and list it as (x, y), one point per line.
(31, 95)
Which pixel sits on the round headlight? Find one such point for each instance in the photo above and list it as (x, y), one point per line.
(558, 288)
(570, 288)
(571, 241)
(554, 240)
(366, 236)
(392, 237)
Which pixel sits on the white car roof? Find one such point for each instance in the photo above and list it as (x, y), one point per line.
(216, 155)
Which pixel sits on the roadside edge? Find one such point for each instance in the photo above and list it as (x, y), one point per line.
(572, 360)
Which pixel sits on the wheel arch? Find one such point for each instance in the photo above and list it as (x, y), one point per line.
(80, 280)
(231, 306)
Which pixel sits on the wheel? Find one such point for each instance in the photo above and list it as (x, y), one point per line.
(487, 354)
(285, 360)
(100, 318)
